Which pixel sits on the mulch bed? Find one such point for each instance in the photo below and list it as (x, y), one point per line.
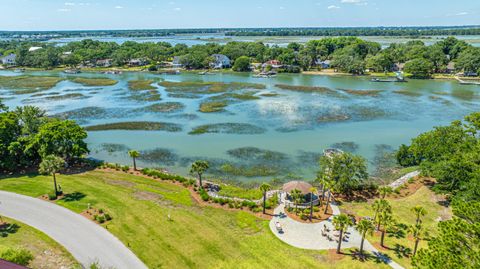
(317, 216)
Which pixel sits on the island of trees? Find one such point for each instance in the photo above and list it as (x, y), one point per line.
(345, 54)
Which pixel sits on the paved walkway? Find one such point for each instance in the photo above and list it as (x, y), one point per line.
(401, 181)
(309, 236)
(85, 240)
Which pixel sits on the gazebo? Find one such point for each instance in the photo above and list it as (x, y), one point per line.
(305, 190)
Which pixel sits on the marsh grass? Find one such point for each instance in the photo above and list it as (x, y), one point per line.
(371, 93)
(196, 87)
(351, 147)
(160, 156)
(137, 125)
(228, 128)
(298, 88)
(28, 84)
(408, 93)
(138, 85)
(68, 96)
(112, 147)
(167, 107)
(91, 82)
(213, 106)
(145, 96)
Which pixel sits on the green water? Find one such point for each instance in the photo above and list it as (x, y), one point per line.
(299, 125)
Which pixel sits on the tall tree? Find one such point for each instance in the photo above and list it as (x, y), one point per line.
(418, 233)
(419, 212)
(50, 165)
(313, 192)
(364, 227)
(341, 223)
(265, 188)
(198, 168)
(384, 191)
(297, 197)
(134, 155)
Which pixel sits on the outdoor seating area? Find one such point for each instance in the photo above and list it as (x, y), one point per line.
(334, 235)
(299, 194)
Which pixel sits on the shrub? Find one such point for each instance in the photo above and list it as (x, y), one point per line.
(125, 168)
(107, 217)
(18, 256)
(256, 209)
(303, 216)
(101, 219)
(316, 209)
(204, 195)
(52, 196)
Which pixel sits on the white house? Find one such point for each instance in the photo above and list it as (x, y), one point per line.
(220, 61)
(31, 49)
(9, 60)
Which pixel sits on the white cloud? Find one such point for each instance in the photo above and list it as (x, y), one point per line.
(282, 8)
(64, 10)
(333, 7)
(177, 9)
(118, 7)
(69, 4)
(351, 1)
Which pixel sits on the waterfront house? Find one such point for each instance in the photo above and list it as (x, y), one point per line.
(220, 61)
(275, 64)
(9, 60)
(324, 64)
(177, 62)
(398, 67)
(137, 62)
(104, 63)
(450, 68)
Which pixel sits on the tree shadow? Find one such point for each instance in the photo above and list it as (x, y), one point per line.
(73, 197)
(368, 256)
(7, 229)
(399, 231)
(402, 251)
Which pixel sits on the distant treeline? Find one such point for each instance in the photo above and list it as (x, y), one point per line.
(313, 31)
(359, 31)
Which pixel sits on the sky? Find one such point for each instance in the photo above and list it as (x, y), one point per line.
(162, 14)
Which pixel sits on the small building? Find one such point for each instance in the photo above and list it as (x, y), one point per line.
(32, 49)
(323, 64)
(398, 67)
(220, 61)
(137, 62)
(104, 63)
(274, 64)
(304, 189)
(450, 68)
(177, 62)
(9, 60)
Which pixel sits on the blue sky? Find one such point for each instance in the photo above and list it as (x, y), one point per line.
(139, 14)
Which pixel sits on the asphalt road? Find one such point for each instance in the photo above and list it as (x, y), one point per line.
(85, 240)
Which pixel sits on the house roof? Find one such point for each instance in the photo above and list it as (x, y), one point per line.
(34, 49)
(302, 186)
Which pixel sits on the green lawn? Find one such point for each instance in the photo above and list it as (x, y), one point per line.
(402, 212)
(234, 191)
(195, 237)
(38, 243)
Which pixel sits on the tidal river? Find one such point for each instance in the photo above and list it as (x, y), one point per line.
(251, 127)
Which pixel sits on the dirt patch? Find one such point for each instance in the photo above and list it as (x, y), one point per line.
(49, 259)
(122, 183)
(147, 196)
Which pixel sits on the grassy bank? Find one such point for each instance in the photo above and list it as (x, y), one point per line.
(92, 82)
(136, 125)
(138, 85)
(47, 254)
(400, 245)
(194, 236)
(32, 83)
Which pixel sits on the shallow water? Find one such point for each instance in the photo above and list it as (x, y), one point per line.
(297, 124)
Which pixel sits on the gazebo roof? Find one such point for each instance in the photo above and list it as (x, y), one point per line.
(302, 186)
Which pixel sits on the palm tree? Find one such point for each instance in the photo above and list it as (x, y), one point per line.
(385, 190)
(418, 234)
(387, 222)
(379, 207)
(341, 223)
(134, 154)
(419, 212)
(313, 191)
(322, 181)
(364, 227)
(297, 197)
(50, 165)
(329, 185)
(264, 188)
(199, 167)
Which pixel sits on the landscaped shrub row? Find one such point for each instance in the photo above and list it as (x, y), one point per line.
(164, 176)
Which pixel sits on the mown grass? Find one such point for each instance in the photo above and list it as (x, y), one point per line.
(28, 84)
(37, 243)
(193, 236)
(234, 191)
(136, 125)
(401, 208)
(138, 85)
(94, 81)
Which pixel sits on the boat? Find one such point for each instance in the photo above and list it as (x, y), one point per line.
(465, 82)
(388, 80)
(112, 72)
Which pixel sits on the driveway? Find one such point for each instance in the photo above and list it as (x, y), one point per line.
(309, 235)
(85, 240)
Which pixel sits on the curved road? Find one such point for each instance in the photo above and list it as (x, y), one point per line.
(85, 240)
